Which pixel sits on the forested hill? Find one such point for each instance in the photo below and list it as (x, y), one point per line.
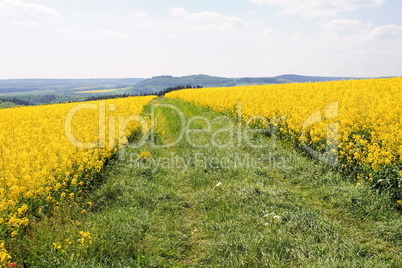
(161, 82)
(158, 83)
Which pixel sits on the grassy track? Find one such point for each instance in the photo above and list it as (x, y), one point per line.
(230, 207)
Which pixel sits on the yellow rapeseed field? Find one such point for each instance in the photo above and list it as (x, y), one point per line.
(48, 152)
(358, 122)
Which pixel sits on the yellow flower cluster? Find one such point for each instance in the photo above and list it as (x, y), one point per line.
(145, 155)
(359, 119)
(4, 256)
(85, 238)
(47, 153)
(81, 238)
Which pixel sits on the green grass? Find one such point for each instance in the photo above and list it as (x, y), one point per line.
(289, 211)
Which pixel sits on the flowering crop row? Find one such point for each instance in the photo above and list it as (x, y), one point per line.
(47, 153)
(357, 122)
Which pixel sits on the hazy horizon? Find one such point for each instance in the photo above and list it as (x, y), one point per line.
(238, 77)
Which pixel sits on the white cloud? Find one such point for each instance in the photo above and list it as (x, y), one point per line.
(178, 12)
(20, 9)
(320, 8)
(346, 26)
(113, 34)
(218, 19)
(385, 32)
(209, 20)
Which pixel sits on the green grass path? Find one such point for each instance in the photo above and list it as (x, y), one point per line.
(231, 207)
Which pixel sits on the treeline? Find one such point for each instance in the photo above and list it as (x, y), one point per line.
(159, 93)
(116, 96)
(16, 101)
(170, 89)
(52, 99)
(159, 83)
(30, 100)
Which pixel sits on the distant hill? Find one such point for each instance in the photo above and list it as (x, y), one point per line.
(302, 78)
(261, 80)
(62, 85)
(158, 83)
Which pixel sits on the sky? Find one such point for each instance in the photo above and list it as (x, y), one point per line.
(230, 38)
